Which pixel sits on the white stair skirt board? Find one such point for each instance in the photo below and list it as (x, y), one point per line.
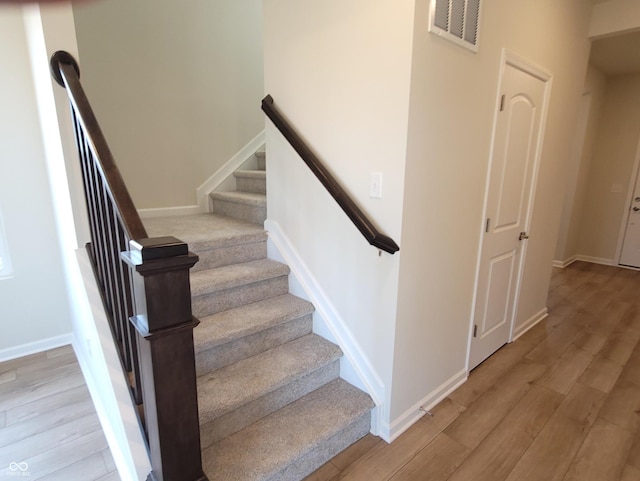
(233, 164)
(530, 323)
(398, 426)
(355, 367)
(168, 211)
(100, 364)
(35, 347)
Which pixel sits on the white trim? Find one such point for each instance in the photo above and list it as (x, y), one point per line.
(597, 260)
(35, 347)
(355, 367)
(169, 211)
(530, 323)
(391, 431)
(565, 263)
(209, 185)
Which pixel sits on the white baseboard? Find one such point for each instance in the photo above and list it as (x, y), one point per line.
(209, 185)
(565, 263)
(391, 431)
(355, 367)
(169, 211)
(530, 323)
(596, 260)
(35, 347)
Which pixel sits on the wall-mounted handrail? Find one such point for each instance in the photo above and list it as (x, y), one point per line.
(340, 195)
(146, 294)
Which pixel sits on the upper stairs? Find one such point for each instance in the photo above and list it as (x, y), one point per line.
(271, 404)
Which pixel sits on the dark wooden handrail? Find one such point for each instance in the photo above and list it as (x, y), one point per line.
(144, 284)
(341, 196)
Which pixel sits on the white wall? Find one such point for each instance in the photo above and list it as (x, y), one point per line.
(453, 99)
(33, 304)
(615, 150)
(567, 248)
(340, 72)
(176, 87)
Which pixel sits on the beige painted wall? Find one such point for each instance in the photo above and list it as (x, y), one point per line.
(615, 149)
(614, 16)
(576, 193)
(176, 86)
(453, 97)
(33, 303)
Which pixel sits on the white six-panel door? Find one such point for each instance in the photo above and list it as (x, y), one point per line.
(516, 149)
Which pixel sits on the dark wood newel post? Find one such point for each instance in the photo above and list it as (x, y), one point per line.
(164, 323)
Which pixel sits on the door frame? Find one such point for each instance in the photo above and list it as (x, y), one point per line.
(509, 58)
(625, 214)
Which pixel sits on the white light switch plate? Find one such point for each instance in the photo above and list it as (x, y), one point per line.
(375, 188)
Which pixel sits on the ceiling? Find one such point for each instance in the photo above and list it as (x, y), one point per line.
(617, 55)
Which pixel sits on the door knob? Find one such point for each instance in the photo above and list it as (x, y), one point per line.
(524, 235)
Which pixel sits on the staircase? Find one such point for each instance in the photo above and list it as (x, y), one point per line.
(272, 406)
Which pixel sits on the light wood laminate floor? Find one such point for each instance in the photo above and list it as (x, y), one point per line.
(49, 429)
(562, 403)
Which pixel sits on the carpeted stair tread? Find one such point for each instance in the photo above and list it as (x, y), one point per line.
(237, 197)
(251, 174)
(232, 324)
(206, 231)
(293, 441)
(233, 386)
(235, 275)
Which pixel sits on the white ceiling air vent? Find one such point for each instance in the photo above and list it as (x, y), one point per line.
(457, 21)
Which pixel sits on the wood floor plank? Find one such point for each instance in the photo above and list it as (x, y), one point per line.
(108, 460)
(634, 454)
(564, 374)
(8, 376)
(622, 407)
(619, 348)
(472, 426)
(549, 456)
(490, 371)
(64, 455)
(556, 343)
(47, 404)
(63, 358)
(45, 422)
(112, 476)
(355, 451)
(90, 468)
(496, 457)
(39, 390)
(384, 460)
(629, 473)
(21, 361)
(601, 374)
(590, 342)
(56, 436)
(602, 455)
(436, 462)
(326, 472)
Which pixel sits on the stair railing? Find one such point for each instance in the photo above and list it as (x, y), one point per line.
(362, 222)
(146, 294)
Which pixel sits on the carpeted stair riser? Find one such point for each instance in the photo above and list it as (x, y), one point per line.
(237, 296)
(234, 334)
(247, 346)
(295, 440)
(228, 255)
(251, 181)
(240, 205)
(225, 390)
(219, 289)
(262, 160)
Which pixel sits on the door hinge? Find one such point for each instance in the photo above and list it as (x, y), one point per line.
(486, 227)
(475, 330)
(502, 103)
